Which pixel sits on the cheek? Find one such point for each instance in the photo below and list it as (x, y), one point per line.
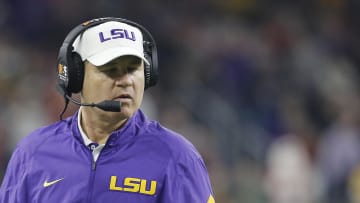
(93, 82)
(140, 85)
(140, 95)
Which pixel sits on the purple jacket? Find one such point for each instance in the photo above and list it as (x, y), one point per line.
(143, 162)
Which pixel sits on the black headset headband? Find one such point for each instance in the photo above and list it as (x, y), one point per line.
(69, 65)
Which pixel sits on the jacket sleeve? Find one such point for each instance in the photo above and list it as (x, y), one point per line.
(187, 181)
(12, 188)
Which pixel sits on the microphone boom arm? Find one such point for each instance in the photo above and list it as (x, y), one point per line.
(106, 105)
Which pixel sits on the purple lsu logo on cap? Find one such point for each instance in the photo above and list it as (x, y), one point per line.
(116, 34)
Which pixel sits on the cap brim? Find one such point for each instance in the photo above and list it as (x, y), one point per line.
(113, 53)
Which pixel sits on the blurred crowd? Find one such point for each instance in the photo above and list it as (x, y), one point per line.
(268, 91)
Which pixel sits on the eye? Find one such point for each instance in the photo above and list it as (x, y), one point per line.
(108, 70)
(131, 69)
(112, 70)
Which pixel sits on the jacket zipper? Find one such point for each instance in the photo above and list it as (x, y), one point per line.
(92, 178)
(94, 165)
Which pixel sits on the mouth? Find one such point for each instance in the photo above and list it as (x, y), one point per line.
(123, 97)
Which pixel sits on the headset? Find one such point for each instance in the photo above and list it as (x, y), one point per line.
(70, 70)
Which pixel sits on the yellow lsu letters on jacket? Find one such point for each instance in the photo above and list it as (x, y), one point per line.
(135, 185)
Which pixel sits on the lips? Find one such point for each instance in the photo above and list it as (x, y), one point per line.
(123, 96)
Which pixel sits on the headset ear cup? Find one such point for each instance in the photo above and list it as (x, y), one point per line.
(151, 71)
(76, 73)
(147, 71)
(154, 72)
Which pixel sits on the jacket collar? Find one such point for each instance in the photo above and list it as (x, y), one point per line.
(130, 129)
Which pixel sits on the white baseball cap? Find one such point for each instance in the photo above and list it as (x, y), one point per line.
(103, 43)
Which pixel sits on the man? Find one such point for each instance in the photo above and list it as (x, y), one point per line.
(101, 154)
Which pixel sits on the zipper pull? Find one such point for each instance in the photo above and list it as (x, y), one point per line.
(94, 165)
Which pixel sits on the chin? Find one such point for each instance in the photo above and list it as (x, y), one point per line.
(124, 113)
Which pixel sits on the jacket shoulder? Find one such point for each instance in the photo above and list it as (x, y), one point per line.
(41, 135)
(175, 143)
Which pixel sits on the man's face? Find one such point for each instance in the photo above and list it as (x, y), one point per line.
(121, 79)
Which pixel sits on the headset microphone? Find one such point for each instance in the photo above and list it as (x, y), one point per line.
(106, 105)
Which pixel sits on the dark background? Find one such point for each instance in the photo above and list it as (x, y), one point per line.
(268, 91)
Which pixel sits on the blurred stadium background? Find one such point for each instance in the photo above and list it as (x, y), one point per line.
(268, 91)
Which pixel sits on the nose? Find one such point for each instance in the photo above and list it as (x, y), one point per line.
(123, 80)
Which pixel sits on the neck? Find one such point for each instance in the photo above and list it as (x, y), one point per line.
(98, 125)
